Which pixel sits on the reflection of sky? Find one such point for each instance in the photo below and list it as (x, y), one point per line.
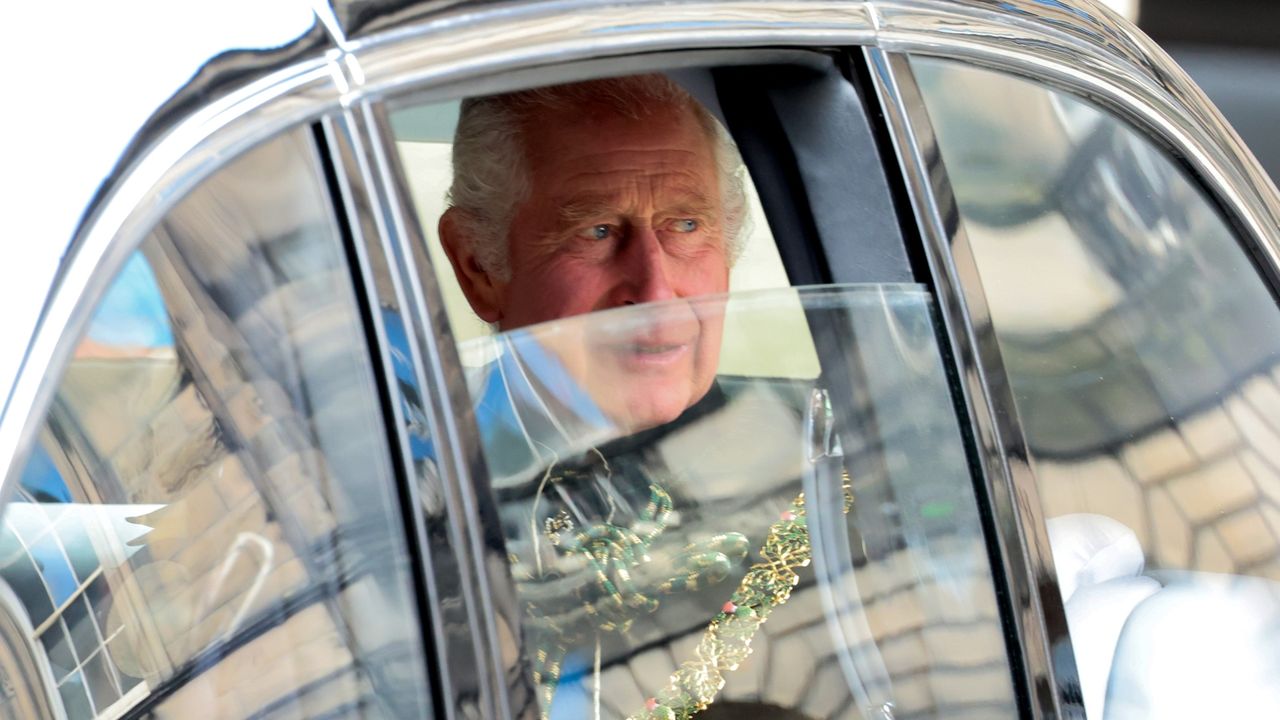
(54, 568)
(41, 478)
(132, 313)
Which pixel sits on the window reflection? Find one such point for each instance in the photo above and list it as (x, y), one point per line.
(1143, 351)
(207, 524)
(805, 544)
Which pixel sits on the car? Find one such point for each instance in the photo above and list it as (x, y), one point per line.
(991, 428)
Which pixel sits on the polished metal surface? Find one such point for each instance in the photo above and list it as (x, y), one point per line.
(384, 295)
(474, 577)
(1076, 45)
(1039, 623)
(459, 46)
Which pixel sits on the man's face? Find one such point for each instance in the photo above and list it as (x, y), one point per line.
(622, 212)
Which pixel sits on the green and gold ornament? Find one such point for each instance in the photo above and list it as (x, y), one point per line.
(614, 598)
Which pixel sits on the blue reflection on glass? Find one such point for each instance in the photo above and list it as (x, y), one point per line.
(411, 401)
(54, 568)
(132, 313)
(42, 480)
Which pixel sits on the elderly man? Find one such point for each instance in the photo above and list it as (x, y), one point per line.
(570, 200)
(597, 195)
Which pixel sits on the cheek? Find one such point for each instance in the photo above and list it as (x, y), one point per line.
(550, 292)
(707, 275)
(710, 337)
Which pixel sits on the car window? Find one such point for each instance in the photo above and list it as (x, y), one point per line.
(750, 502)
(207, 522)
(1142, 347)
(670, 566)
(424, 135)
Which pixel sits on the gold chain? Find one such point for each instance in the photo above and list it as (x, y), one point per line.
(727, 639)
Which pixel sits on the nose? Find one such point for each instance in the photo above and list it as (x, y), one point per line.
(644, 270)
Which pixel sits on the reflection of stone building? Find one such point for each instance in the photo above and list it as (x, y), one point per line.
(209, 559)
(940, 661)
(228, 546)
(64, 537)
(1141, 343)
(1161, 410)
(1160, 407)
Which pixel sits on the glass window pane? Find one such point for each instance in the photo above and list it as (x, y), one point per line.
(127, 681)
(648, 437)
(84, 637)
(75, 542)
(99, 596)
(1143, 351)
(101, 687)
(640, 547)
(54, 568)
(75, 698)
(57, 645)
(23, 576)
(213, 466)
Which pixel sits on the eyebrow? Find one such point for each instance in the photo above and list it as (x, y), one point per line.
(580, 208)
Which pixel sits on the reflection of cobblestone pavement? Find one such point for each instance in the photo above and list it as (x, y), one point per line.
(1203, 494)
(943, 661)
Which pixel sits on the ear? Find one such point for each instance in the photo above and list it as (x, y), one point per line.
(483, 291)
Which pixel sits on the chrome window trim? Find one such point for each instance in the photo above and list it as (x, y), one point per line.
(1039, 619)
(483, 582)
(382, 289)
(1054, 43)
(534, 35)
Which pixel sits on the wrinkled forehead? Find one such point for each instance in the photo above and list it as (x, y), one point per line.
(593, 128)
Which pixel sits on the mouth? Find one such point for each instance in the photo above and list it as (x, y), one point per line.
(655, 349)
(651, 354)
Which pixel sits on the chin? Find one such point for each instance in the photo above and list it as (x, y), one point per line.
(645, 420)
(648, 406)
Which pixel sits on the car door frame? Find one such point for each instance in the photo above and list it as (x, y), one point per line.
(1156, 95)
(344, 82)
(339, 90)
(523, 37)
(1138, 83)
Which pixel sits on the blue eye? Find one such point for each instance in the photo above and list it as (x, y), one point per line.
(600, 232)
(686, 225)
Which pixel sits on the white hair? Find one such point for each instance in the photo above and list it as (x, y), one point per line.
(490, 174)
